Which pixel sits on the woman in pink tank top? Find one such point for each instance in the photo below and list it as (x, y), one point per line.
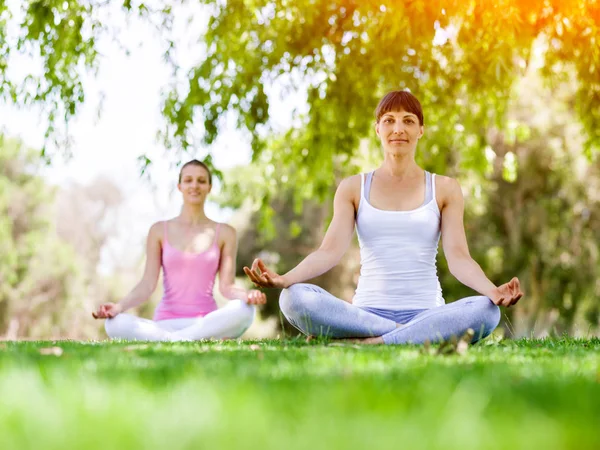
(191, 249)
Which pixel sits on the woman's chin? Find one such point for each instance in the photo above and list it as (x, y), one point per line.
(399, 151)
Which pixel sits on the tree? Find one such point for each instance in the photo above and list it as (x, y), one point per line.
(38, 272)
(460, 58)
(50, 250)
(540, 215)
(48, 46)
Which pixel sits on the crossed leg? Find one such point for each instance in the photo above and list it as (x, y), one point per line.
(314, 311)
(229, 322)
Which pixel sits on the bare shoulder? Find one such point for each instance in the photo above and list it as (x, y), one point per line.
(447, 186)
(448, 191)
(350, 183)
(227, 233)
(349, 189)
(226, 229)
(157, 229)
(442, 182)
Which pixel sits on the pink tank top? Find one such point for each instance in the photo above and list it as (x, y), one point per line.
(188, 280)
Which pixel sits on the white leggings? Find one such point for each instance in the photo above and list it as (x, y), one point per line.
(228, 322)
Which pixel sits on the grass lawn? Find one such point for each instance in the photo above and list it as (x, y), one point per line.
(291, 395)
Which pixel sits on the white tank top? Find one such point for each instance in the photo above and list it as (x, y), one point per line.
(397, 253)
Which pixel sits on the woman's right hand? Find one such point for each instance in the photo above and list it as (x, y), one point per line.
(262, 276)
(507, 294)
(107, 311)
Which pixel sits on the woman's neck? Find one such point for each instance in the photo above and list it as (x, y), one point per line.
(193, 214)
(400, 166)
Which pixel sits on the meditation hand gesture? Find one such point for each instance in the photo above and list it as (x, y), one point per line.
(507, 294)
(107, 311)
(261, 276)
(256, 298)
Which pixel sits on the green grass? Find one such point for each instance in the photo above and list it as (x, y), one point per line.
(291, 395)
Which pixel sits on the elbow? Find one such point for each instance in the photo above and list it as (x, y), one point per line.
(457, 263)
(453, 271)
(225, 289)
(452, 265)
(331, 255)
(335, 259)
(147, 288)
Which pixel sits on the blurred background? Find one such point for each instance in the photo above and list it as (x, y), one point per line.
(103, 101)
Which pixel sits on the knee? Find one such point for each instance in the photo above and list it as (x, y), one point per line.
(489, 315)
(244, 312)
(295, 300)
(115, 325)
(492, 314)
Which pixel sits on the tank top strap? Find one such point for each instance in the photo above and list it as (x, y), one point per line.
(428, 189)
(368, 182)
(362, 186)
(433, 186)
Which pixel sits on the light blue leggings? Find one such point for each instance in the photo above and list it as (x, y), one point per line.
(314, 311)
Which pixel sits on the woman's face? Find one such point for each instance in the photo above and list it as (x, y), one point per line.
(194, 184)
(399, 132)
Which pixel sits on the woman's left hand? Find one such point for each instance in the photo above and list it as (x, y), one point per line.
(507, 294)
(256, 297)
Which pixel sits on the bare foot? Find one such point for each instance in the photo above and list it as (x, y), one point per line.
(363, 341)
(377, 340)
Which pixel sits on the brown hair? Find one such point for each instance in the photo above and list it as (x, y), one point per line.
(195, 162)
(399, 100)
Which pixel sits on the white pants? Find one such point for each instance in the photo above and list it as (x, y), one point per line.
(228, 322)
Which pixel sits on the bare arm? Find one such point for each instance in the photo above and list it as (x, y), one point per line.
(144, 289)
(334, 245)
(227, 266)
(460, 263)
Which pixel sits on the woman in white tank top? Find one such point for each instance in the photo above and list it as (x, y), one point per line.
(399, 212)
